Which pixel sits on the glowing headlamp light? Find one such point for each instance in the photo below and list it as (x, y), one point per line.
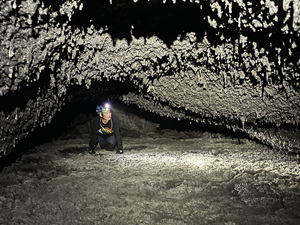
(100, 109)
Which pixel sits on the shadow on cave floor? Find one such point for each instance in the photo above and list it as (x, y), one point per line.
(158, 180)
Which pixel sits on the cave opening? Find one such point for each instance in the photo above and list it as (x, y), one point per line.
(62, 46)
(80, 112)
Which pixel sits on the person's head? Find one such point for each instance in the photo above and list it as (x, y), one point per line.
(104, 111)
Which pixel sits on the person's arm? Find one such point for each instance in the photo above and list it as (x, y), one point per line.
(94, 133)
(117, 131)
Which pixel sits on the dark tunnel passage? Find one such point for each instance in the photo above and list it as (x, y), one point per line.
(208, 97)
(80, 112)
(226, 63)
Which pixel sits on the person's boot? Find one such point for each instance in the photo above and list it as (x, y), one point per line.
(92, 152)
(119, 151)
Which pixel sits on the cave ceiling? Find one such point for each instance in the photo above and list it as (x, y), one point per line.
(228, 62)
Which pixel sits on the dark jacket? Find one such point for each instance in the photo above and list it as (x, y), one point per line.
(95, 126)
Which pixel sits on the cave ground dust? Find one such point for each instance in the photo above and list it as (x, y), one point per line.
(203, 180)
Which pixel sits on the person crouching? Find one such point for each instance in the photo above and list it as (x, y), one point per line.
(105, 130)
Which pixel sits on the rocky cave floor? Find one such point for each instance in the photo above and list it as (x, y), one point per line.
(160, 179)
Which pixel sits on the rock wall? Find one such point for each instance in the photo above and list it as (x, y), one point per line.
(233, 63)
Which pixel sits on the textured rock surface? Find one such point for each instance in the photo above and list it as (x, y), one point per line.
(204, 180)
(235, 63)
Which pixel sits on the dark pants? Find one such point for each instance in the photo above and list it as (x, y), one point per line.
(107, 143)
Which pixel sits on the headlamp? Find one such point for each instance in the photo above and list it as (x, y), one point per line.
(100, 109)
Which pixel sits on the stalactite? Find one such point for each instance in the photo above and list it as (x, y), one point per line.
(63, 45)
